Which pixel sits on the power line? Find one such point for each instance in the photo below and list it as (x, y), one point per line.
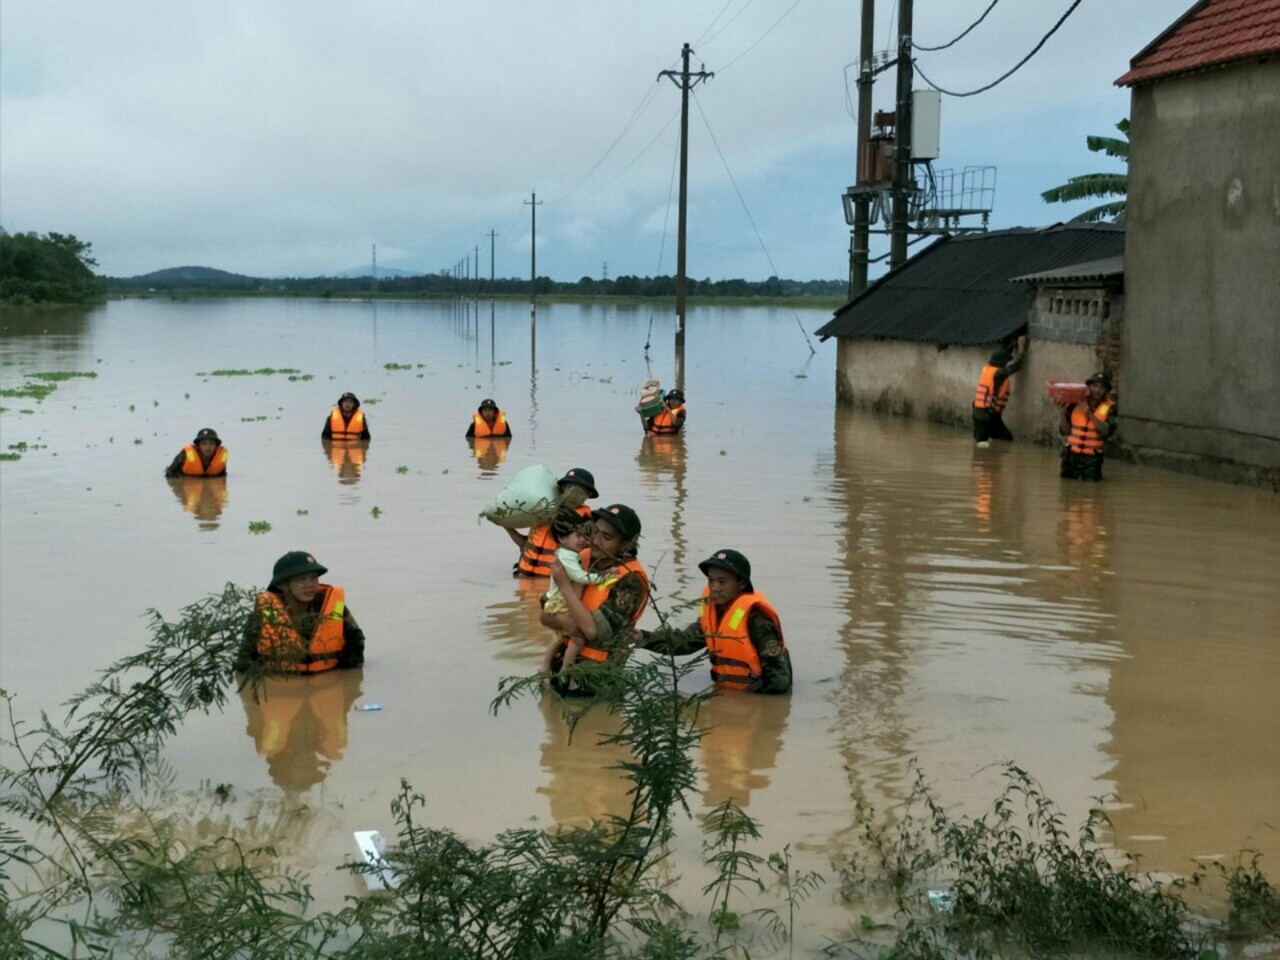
(967, 30)
(1016, 67)
(729, 23)
(642, 152)
(727, 5)
(706, 123)
(666, 217)
(644, 102)
(762, 38)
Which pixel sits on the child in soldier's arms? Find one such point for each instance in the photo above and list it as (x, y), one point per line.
(571, 533)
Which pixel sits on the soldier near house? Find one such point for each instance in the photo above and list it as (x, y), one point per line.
(1086, 427)
(992, 393)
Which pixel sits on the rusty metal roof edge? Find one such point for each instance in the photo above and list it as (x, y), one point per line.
(1088, 270)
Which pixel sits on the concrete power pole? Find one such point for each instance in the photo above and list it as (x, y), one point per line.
(491, 236)
(903, 181)
(860, 252)
(685, 81)
(375, 263)
(533, 203)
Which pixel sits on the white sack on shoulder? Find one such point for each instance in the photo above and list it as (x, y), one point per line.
(528, 500)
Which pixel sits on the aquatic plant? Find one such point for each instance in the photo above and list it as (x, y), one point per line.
(10, 456)
(397, 366)
(30, 391)
(1254, 902)
(1016, 875)
(58, 376)
(303, 377)
(303, 513)
(260, 372)
(376, 512)
(259, 526)
(138, 441)
(402, 469)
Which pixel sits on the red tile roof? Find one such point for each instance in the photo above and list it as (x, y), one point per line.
(1210, 34)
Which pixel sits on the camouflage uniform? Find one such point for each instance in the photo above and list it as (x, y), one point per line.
(775, 661)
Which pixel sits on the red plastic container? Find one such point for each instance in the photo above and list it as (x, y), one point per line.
(1067, 391)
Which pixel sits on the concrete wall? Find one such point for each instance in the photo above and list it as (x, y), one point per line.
(915, 379)
(1202, 273)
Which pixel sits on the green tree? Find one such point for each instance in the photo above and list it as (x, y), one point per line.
(1098, 184)
(54, 268)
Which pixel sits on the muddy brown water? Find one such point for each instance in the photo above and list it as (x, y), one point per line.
(945, 605)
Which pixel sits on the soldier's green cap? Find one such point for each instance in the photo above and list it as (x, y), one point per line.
(207, 433)
(582, 478)
(732, 561)
(295, 564)
(621, 517)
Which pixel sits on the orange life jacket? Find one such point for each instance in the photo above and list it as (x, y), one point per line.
(734, 660)
(540, 549)
(499, 428)
(665, 422)
(280, 644)
(595, 594)
(1084, 437)
(987, 396)
(193, 466)
(341, 429)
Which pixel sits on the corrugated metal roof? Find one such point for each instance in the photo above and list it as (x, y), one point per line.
(1211, 34)
(1093, 270)
(957, 291)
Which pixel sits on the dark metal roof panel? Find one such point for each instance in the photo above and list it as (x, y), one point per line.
(1093, 270)
(957, 291)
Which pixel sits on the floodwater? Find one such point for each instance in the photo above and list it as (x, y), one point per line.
(944, 605)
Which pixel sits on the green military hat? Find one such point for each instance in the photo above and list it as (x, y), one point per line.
(581, 478)
(295, 564)
(621, 517)
(732, 561)
(207, 433)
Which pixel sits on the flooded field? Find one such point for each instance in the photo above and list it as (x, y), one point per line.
(944, 605)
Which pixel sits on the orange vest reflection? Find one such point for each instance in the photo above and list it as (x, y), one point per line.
(347, 457)
(742, 735)
(489, 452)
(584, 785)
(202, 497)
(661, 453)
(299, 724)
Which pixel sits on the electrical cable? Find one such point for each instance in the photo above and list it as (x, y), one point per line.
(761, 40)
(642, 152)
(644, 102)
(967, 30)
(706, 123)
(666, 217)
(1016, 67)
(727, 5)
(730, 22)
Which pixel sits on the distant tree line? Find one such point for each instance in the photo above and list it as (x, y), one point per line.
(53, 268)
(194, 280)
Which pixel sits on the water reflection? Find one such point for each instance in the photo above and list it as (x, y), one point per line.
(347, 457)
(583, 784)
(202, 497)
(489, 452)
(741, 739)
(299, 724)
(513, 623)
(663, 465)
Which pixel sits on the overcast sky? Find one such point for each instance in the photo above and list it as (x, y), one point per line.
(286, 138)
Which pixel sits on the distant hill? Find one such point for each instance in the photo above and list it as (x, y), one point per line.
(203, 277)
(383, 272)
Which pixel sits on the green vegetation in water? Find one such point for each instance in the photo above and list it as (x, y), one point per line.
(4, 409)
(402, 469)
(376, 512)
(303, 513)
(163, 886)
(131, 408)
(29, 391)
(802, 376)
(10, 456)
(138, 441)
(259, 417)
(261, 372)
(57, 376)
(370, 401)
(397, 366)
(302, 377)
(259, 526)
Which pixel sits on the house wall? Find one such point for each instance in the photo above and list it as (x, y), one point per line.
(1202, 337)
(1073, 331)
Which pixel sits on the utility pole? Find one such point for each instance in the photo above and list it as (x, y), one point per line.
(604, 272)
(491, 236)
(903, 181)
(375, 263)
(685, 81)
(860, 252)
(477, 273)
(533, 203)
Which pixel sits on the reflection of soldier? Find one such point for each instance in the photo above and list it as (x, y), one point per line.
(984, 470)
(660, 454)
(300, 724)
(202, 497)
(514, 622)
(489, 452)
(1081, 530)
(740, 744)
(582, 786)
(347, 458)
